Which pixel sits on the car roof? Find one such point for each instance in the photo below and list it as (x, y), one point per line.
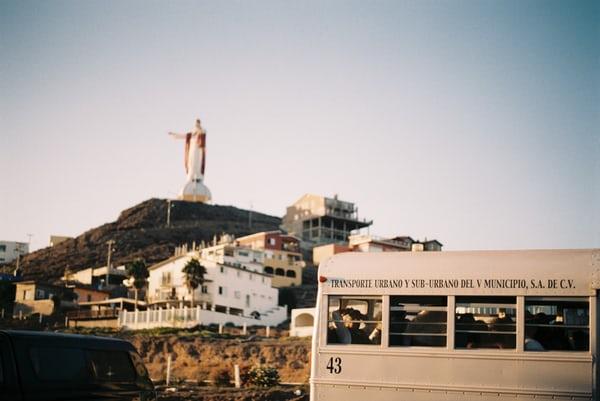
(78, 340)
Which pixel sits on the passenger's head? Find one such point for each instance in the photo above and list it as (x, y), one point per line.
(351, 317)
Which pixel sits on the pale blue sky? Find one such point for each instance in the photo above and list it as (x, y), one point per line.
(473, 122)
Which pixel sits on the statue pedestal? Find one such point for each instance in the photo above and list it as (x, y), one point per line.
(195, 191)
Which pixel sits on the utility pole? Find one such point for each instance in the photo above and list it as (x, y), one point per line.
(17, 271)
(110, 244)
(168, 212)
(250, 216)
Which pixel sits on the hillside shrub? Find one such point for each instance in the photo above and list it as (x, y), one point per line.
(221, 376)
(263, 376)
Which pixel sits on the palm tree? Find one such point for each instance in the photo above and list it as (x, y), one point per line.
(138, 271)
(194, 276)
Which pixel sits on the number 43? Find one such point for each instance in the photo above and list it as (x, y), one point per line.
(335, 365)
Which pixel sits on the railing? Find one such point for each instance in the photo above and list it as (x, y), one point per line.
(93, 314)
(189, 317)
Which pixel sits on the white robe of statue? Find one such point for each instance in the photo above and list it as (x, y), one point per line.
(194, 161)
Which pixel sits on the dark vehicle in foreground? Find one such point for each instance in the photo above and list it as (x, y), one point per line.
(41, 366)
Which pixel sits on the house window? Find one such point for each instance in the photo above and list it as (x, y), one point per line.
(204, 289)
(272, 241)
(268, 270)
(2, 248)
(222, 269)
(290, 273)
(89, 297)
(237, 295)
(223, 291)
(279, 272)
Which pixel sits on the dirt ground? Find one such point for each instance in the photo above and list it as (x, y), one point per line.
(198, 393)
(194, 358)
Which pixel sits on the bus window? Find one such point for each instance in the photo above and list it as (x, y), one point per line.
(354, 320)
(418, 321)
(557, 324)
(485, 322)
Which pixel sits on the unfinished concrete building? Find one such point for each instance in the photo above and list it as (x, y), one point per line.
(320, 220)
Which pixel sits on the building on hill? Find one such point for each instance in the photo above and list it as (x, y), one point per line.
(33, 297)
(231, 289)
(319, 220)
(57, 239)
(96, 276)
(322, 252)
(281, 257)
(11, 250)
(87, 293)
(371, 243)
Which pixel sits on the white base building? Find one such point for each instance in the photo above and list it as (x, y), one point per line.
(302, 323)
(231, 293)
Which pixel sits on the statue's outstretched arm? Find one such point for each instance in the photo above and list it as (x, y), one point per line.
(176, 135)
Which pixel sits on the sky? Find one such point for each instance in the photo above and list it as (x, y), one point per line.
(476, 123)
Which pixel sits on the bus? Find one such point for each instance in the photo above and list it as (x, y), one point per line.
(476, 325)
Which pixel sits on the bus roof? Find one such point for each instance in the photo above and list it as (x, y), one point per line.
(563, 272)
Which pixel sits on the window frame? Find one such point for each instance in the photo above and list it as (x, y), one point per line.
(411, 323)
(564, 300)
(488, 302)
(382, 331)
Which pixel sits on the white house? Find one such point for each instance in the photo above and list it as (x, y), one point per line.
(232, 292)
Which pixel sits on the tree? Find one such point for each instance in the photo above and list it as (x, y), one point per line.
(287, 296)
(194, 275)
(138, 272)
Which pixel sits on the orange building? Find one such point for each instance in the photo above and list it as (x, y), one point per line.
(281, 256)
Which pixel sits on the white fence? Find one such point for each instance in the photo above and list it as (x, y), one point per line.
(188, 317)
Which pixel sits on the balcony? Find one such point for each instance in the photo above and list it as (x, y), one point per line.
(88, 314)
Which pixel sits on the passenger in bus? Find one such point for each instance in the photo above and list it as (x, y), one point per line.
(353, 320)
(424, 323)
(375, 335)
(499, 325)
(339, 333)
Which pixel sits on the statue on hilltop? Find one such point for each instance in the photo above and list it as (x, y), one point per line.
(195, 160)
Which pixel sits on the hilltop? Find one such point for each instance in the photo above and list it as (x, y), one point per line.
(141, 231)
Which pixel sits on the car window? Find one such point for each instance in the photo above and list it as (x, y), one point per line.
(112, 366)
(59, 363)
(140, 368)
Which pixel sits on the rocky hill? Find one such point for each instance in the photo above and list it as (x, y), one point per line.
(141, 231)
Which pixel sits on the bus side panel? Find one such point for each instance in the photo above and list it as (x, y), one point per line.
(464, 372)
(345, 392)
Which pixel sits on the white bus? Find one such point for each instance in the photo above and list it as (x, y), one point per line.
(457, 326)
